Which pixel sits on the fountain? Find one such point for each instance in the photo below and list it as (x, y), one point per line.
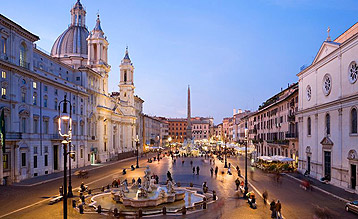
(146, 195)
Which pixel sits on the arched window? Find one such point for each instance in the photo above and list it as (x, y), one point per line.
(125, 76)
(23, 55)
(309, 126)
(354, 120)
(45, 101)
(328, 124)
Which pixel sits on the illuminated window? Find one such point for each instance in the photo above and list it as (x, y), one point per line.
(3, 74)
(3, 92)
(34, 85)
(3, 45)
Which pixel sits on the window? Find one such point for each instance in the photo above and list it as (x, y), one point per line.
(46, 149)
(23, 97)
(23, 159)
(36, 125)
(309, 126)
(3, 45)
(78, 78)
(3, 92)
(74, 109)
(327, 84)
(308, 92)
(34, 85)
(23, 55)
(34, 99)
(81, 110)
(328, 124)
(81, 153)
(35, 161)
(46, 127)
(23, 125)
(46, 160)
(56, 92)
(45, 88)
(56, 104)
(354, 121)
(353, 72)
(45, 101)
(105, 146)
(81, 129)
(3, 74)
(125, 76)
(6, 161)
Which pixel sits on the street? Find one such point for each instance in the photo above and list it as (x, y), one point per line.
(32, 201)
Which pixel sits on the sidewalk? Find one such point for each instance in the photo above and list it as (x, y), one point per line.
(329, 189)
(54, 176)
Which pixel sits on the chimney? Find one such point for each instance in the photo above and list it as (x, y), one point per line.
(234, 112)
(239, 111)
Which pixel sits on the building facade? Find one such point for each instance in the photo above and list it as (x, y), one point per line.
(273, 128)
(328, 101)
(33, 83)
(201, 128)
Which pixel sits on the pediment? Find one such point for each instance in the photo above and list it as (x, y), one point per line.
(326, 48)
(326, 141)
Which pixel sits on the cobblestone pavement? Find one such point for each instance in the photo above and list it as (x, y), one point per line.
(296, 203)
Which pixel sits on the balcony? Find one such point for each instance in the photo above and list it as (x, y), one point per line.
(291, 118)
(291, 135)
(56, 137)
(278, 142)
(24, 64)
(13, 136)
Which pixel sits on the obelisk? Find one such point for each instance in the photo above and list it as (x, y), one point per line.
(188, 128)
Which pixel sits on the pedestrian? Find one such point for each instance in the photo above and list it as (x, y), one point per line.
(278, 210)
(210, 161)
(212, 171)
(265, 196)
(191, 163)
(216, 170)
(237, 182)
(139, 181)
(197, 170)
(156, 179)
(193, 170)
(133, 181)
(229, 165)
(182, 162)
(239, 172)
(273, 209)
(169, 176)
(205, 187)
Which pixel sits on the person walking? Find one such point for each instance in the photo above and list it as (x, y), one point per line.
(197, 170)
(212, 171)
(193, 170)
(169, 176)
(237, 183)
(265, 196)
(191, 163)
(273, 209)
(216, 170)
(278, 210)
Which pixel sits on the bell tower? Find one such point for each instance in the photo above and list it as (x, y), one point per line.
(97, 54)
(126, 85)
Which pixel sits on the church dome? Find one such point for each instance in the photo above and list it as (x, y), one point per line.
(72, 42)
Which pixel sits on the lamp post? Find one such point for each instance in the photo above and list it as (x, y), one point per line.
(137, 145)
(247, 142)
(65, 118)
(225, 140)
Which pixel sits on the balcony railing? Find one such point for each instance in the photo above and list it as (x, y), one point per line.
(291, 135)
(291, 118)
(24, 64)
(13, 135)
(281, 142)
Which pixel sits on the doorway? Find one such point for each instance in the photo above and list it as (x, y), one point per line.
(55, 157)
(353, 176)
(93, 158)
(327, 164)
(308, 164)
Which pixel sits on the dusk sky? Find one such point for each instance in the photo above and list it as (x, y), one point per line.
(234, 54)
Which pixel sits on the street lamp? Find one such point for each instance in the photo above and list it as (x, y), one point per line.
(247, 142)
(137, 144)
(65, 118)
(225, 166)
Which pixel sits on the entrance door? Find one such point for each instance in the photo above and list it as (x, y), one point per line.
(327, 164)
(353, 176)
(93, 158)
(55, 157)
(308, 164)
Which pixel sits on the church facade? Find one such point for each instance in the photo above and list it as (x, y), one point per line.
(327, 112)
(105, 125)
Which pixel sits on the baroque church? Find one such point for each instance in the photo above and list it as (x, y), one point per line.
(33, 82)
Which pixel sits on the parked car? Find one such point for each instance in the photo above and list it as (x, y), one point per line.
(352, 206)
